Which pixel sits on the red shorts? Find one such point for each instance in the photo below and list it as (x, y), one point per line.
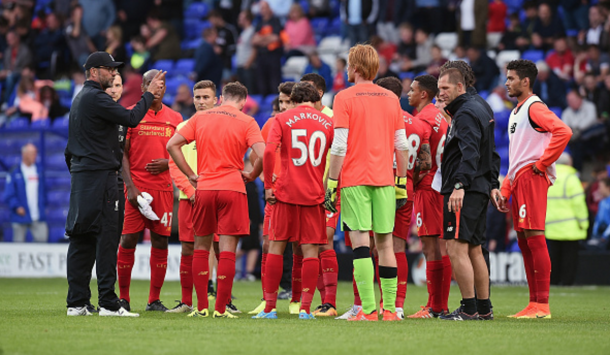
(185, 221)
(428, 207)
(267, 219)
(295, 223)
(402, 221)
(221, 212)
(529, 194)
(163, 206)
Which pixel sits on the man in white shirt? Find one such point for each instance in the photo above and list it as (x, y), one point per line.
(581, 117)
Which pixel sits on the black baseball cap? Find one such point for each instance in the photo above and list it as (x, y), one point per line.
(101, 59)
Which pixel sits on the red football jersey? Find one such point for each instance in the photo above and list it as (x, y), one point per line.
(435, 119)
(305, 136)
(148, 141)
(418, 134)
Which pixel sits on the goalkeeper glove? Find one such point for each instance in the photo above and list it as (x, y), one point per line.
(330, 198)
(400, 187)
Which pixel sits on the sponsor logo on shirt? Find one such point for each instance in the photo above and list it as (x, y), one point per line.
(513, 127)
(149, 130)
(371, 94)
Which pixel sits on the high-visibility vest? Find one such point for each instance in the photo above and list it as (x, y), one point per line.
(567, 214)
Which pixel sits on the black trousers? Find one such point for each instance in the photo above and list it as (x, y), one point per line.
(564, 261)
(93, 227)
(269, 72)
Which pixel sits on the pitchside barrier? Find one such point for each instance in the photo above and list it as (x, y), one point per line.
(49, 260)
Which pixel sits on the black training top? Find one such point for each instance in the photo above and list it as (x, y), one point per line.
(93, 128)
(469, 156)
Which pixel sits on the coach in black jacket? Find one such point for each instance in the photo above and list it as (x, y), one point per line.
(469, 172)
(94, 159)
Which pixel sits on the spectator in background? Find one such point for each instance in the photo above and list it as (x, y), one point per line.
(50, 40)
(340, 81)
(78, 78)
(280, 8)
(384, 48)
(268, 44)
(472, 27)
(131, 14)
(434, 68)
(360, 16)
(132, 90)
(407, 46)
(561, 60)
(208, 64)
(485, 69)
(16, 57)
(3, 32)
(26, 100)
(251, 107)
(566, 222)
(549, 87)
(428, 14)
(547, 26)
(590, 91)
(497, 16)
(498, 100)
(141, 56)
(593, 192)
(114, 43)
(300, 34)
(497, 227)
(225, 39)
(575, 15)
(245, 53)
(79, 43)
(98, 16)
(319, 8)
(25, 32)
(603, 101)
(384, 70)
(601, 228)
(512, 33)
(50, 100)
(25, 195)
(183, 102)
(527, 26)
(423, 57)
(596, 26)
(459, 53)
(597, 63)
(164, 42)
(581, 117)
(317, 66)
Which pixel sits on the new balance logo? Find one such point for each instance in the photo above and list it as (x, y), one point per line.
(202, 273)
(306, 290)
(450, 229)
(221, 277)
(513, 127)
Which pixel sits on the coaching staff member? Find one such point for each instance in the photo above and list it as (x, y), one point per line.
(94, 158)
(470, 176)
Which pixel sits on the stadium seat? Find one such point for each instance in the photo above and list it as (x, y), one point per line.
(56, 162)
(57, 215)
(330, 44)
(168, 99)
(58, 198)
(556, 110)
(18, 123)
(484, 94)
(164, 64)
(41, 124)
(446, 40)
(319, 25)
(506, 56)
(513, 5)
(257, 98)
(184, 66)
(197, 10)
(190, 44)
(405, 75)
(533, 55)
(493, 39)
(11, 160)
(8, 233)
(334, 27)
(294, 67)
(502, 118)
(61, 122)
(304, 5)
(57, 233)
(171, 86)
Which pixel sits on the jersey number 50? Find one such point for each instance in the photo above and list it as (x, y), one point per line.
(308, 150)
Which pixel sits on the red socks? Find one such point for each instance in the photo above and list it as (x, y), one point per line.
(224, 280)
(263, 263)
(446, 282)
(297, 270)
(403, 273)
(321, 284)
(434, 273)
(273, 275)
(309, 276)
(542, 267)
(125, 261)
(186, 279)
(529, 267)
(330, 275)
(158, 268)
(201, 275)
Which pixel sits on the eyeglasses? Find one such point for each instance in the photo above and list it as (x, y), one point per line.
(112, 70)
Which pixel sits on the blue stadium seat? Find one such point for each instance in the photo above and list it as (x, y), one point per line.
(484, 94)
(58, 183)
(11, 160)
(128, 49)
(184, 66)
(197, 10)
(513, 5)
(61, 122)
(164, 64)
(334, 27)
(405, 75)
(171, 86)
(319, 25)
(56, 162)
(305, 5)
(8, 233)
(556, 110)
(168, 99)
(57, 215)
(533, 55)
(58, 198)
(57, 233)
(41, 124)
(502, 119)
(257, 98)
(18, 123)
(190, 44)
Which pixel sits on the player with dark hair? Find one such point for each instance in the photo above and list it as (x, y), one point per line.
(319, 83)
(418, 137)
(537, 139)
(221, 205)
(145, 169)
(428, 204)
(303, 137)
(204, 98)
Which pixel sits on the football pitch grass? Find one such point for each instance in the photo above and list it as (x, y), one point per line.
(33, 321)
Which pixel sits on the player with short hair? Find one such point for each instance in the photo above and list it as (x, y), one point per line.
(537, 139)
(418, 136)
(204, 98)
(221, 205)
(284, 103)
(303, 135)
(319, 83)
(145, 169)
(369, 129)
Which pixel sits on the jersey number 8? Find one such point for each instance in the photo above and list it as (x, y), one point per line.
(307, 150)
(412, 146)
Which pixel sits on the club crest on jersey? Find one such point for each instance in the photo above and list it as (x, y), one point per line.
(513, 127)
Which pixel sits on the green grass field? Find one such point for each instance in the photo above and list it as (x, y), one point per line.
(33, 321)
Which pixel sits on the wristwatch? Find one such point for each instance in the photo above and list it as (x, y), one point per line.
(458, 186)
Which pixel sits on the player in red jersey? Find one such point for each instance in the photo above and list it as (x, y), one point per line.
(145, 169)
(428, 202)
(418, 136)
(304, 136)
(221, 205)
(284, 103)
(537, 139)
(204, 98)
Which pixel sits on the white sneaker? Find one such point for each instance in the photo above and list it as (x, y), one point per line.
(122, 312)
(351, 312)
(400, 313)
(78, 311)
(180, 308)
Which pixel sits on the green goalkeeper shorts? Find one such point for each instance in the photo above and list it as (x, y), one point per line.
(365, 208)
